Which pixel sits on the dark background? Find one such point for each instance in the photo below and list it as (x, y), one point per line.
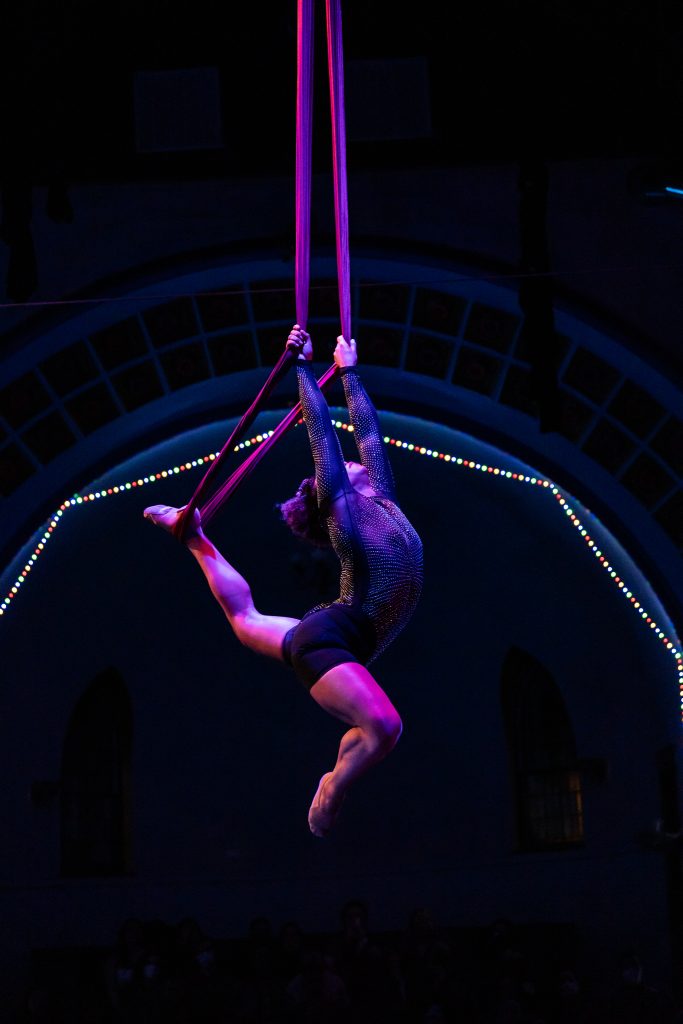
(559, 79)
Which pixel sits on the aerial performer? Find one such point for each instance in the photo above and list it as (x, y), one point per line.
(351, 507)
(348, 506)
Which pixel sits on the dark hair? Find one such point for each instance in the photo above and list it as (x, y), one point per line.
(303, 517)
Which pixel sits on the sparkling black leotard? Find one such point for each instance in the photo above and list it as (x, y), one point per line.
(379, 551)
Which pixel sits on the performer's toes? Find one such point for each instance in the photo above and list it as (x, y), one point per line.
(162, 515)
(166, 517)
(325, 807)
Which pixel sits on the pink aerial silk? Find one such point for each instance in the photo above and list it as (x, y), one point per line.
(304, 132)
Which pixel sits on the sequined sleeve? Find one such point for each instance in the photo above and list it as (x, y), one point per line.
(367, 432)
(330, 472)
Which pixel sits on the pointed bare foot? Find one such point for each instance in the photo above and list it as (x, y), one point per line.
(325, 807)
(166, 517)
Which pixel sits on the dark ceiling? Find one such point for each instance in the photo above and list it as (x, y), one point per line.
(506, 78)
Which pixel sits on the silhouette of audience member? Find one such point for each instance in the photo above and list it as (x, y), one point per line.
(151, 989)
(353, 937)
(195, 951)
(317, 995)
(631, 1001)
(289, 952)
(261, 998)
(42, 1007)
(370, 973)
(509, 991)
(202, 990)
(124, 973)
(444, 997)
(569, 1001)
(418, 945)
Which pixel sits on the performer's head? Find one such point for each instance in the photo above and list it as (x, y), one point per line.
(358, 475)
(302, 515)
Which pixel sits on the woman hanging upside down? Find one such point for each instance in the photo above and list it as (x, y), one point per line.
(350, 506)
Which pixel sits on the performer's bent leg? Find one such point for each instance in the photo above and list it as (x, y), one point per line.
(261, 633)
(351, 693)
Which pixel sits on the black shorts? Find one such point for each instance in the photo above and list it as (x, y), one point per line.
(328, 637)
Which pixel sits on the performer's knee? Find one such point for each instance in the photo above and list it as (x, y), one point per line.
(385, 729)
(245, 624)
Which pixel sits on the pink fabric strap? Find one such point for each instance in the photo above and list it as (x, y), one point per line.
(252, 460)
(284, 362)
(304, 145)
(304, 130)
(335, 63)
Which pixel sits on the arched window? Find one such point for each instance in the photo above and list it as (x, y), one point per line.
(95, 788)
(542, 748)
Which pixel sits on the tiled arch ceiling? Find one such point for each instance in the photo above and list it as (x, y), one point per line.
(450, 332)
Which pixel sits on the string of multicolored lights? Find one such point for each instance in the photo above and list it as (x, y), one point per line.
(670, 643)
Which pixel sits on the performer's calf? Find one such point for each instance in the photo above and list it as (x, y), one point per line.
(351, 693)
(261, 633)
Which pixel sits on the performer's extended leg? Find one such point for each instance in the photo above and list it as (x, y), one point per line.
(351, 693)
(262, 633)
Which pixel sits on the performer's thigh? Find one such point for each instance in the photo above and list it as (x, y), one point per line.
(351, 693)
(263, 633)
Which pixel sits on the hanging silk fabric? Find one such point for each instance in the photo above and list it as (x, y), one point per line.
(209, 506)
